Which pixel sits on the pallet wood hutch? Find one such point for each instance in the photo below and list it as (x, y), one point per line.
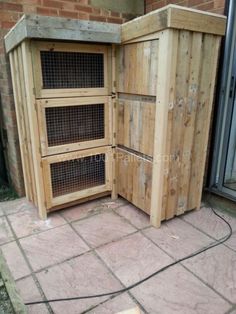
(121, 110)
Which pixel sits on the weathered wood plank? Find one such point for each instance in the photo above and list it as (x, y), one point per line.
(58, 28)
(134, 179)
(204, 108)
(180, 102)
(173, 16)
(164, 103)
(136, 120)
(189, 121)
(136, 68)
(34, 131)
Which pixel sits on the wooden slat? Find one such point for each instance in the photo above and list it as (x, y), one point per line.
(33, 123)
(201, 134)
(189, 118)
(164, 104)
(20, 120)
(136, 119)
(113, 129)
(136, 65)
(59, 28)
(197, 21)
(134, 179)
(176, 17)
(177, 123)
(28, 155)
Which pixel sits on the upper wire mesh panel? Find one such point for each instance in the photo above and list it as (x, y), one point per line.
(72, 69)
(77, 174)
(73, 124)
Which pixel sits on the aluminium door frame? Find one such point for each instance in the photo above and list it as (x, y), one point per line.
(225, 109)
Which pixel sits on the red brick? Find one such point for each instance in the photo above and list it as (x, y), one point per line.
(116, 20)
(192, 3)
(148, 8)
(84, 2)
(69, 14)
(173, 1)
(7, 25)
(97, 18)
(83, 16)
(12, 7)
(96, 11)
(218, 10)
(219, 4)
(9, 16)
(205, 6)
(29, 9)
(105, 12)
(47, 11)
(115, 14)
(158, 4)
(83, 8)
(52, 4)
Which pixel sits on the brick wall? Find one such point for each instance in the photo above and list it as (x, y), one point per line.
(215, 6)
(10, 12)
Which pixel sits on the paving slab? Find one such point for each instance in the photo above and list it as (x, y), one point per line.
(15, 260)
(133, 258)
(29, 293)
(207, 221)
(6, 234)
(117, 304)
(82, 275)
(178, 238)
(176, 291)
(103, 228)
(216, 267)
(82, 210)
(27, 222)
(134, 215)
(52, 246)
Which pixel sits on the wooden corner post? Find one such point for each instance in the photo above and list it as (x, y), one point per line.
(164, 103)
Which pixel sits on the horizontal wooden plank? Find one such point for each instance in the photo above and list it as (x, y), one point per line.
(173, 16)
(58, 28)
(194, 20)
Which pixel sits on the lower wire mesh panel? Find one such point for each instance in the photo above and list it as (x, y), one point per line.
(71, 124)
(77, 174)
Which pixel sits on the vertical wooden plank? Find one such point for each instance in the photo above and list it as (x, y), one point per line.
(20, 119)
(164, 103)
(113, 128)
(180, 102)
(33, 123)
(210, 51)
(27, 130)
(189, 121)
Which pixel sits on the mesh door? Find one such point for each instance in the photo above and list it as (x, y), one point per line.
(77, 174)
(73, 124)
(72, 69)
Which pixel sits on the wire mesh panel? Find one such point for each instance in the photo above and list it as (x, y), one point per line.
(77, 174)
(72, 69)
(71, 124)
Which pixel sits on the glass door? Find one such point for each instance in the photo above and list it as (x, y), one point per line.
(223, 167)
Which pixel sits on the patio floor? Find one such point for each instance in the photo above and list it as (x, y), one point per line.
(102, 245)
